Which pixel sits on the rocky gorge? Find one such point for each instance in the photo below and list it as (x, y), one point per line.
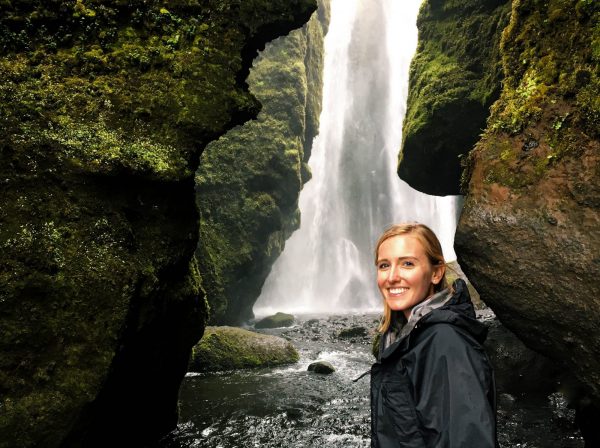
(117, 249)
(250, 179)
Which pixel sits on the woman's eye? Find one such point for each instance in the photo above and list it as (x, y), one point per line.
(408, 264)
(383, 265)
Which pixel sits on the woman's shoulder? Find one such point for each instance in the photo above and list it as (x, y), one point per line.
(446, 335)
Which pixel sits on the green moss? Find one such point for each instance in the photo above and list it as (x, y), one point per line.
(105, 107)
(550, 94)
(250, 179)
(228, 348)
(275, 321)
(454, 78)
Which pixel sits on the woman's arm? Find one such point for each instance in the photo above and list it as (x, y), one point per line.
(454, 390)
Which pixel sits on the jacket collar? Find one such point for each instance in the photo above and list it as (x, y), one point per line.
(452, 306)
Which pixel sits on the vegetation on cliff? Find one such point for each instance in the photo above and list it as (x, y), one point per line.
(528, 235)
(550, 105)
(454, 79)
(250, 179)
(105, 107)
(228, 348)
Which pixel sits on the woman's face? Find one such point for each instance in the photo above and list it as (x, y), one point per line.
(405, 276)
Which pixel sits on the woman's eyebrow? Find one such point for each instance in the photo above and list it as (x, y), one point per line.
(405, 257)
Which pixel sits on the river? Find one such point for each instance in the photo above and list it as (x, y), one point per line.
(291, 407)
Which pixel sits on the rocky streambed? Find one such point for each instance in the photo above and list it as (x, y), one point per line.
(292, 407)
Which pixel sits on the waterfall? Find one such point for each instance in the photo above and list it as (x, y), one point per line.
(327, 264)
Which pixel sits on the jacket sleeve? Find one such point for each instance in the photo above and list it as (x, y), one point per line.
(454, 389)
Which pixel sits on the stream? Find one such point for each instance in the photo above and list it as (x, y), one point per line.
(291, 407)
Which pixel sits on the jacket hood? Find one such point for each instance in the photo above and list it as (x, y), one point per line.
(459, 311)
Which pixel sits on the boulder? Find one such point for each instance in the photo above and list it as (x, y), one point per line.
(517, 368)
(529, 234)
(528, 237)
(228, 348)
(275, 321)
(353, 332)
(322, 367)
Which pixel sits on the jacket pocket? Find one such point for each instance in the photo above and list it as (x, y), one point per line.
(399, 413)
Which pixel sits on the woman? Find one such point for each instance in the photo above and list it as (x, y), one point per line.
(432, 385)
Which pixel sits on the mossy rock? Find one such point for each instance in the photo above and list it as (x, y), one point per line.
(229, 348)
(528, 232)
(275, 321)
(455, 77)
(105, 108)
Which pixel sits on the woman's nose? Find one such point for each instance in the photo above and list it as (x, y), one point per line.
(394, 274)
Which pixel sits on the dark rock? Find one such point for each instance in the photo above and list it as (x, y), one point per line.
(275, 321)
(537, 158)
(227, 348)
(323, 367)
(518, 369)
(353, 332)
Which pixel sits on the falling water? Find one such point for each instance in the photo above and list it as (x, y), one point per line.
(327, 265)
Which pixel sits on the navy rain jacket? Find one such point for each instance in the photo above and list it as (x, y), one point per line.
(434, 387)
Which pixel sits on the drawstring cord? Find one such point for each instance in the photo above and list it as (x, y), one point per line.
(361, 376)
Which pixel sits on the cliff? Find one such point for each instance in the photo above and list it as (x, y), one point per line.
(250, 179)
(529, 234)
(529, 237)
(454, 78)
(105, 107)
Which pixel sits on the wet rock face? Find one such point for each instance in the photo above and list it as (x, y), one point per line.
(105, 108)
(529, 236)
(249, 180)
(322, 367)
(454, 78)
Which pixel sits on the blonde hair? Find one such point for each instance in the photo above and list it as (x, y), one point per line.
(433, 250)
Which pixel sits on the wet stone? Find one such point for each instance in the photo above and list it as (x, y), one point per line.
(353, 332)
(276, 321)
(323, 367)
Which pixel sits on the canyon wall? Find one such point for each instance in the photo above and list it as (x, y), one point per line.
(529, 234)
(454, 78)
(105, 108)
(250, 179)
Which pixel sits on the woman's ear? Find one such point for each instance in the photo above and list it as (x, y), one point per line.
(438, 274)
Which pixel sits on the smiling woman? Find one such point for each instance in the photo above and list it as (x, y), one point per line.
(432, 384)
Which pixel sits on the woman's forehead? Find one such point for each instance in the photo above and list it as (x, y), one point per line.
(399, 246)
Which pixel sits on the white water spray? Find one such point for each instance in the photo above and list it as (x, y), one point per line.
(355, 193)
